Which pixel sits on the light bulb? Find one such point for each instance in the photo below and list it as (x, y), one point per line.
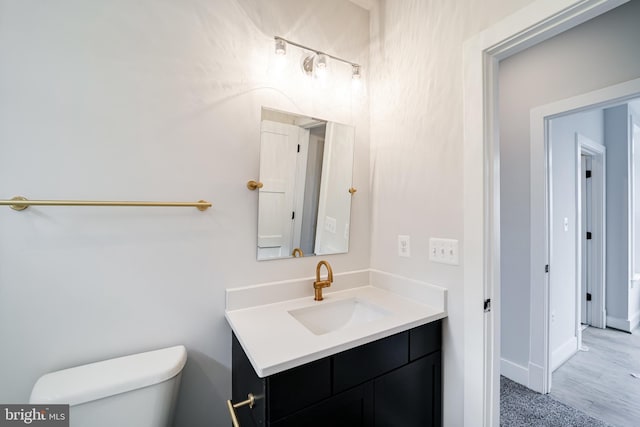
(355, 72)
(307, 65)
(321, 66)
(322, 61)
(281, 46)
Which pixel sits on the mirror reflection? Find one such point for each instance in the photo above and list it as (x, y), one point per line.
(306, 167)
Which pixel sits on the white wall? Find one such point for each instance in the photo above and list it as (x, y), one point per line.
(416, 137)
(564, 246)
(577, 61)
(152, 100)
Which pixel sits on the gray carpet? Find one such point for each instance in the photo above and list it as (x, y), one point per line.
(522, 407)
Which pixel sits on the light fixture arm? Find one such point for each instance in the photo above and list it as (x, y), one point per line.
(317, 52)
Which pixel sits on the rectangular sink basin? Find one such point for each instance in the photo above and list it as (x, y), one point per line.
(325, 317)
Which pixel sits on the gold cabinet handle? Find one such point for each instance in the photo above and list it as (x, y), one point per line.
(352, 190)
(251, 400)
(254, 185)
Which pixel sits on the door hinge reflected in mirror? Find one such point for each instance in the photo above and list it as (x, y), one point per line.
(487, 305)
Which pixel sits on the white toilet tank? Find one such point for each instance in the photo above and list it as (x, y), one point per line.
(131, 391)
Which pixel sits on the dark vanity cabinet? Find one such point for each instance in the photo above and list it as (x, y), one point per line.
(395, 381)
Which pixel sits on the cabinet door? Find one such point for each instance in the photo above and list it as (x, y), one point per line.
(361, 364)
(244, 380)
(353, 408)
(410, 396)
(298, 388)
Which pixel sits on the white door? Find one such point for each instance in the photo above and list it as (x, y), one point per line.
(334, 204)
(278, 152)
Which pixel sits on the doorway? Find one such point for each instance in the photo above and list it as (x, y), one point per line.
(575, 230)
(580, 252)
(592, 176)
(482, 53)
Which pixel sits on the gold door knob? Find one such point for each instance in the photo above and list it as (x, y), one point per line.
(254, 185)
(352, 190)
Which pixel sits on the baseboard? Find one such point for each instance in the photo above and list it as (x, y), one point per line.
(536, 378)
(514, 372)
(564, 353)
(621, 324)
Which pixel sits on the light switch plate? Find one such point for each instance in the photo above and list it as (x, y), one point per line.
(330, 224)
(404, 246)
(444, 251)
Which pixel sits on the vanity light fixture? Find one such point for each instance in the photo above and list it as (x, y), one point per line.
(316, 61)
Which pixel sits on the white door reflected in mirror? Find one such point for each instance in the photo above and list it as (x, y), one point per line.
(306, 167)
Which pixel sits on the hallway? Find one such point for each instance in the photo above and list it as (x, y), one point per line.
(599, 381)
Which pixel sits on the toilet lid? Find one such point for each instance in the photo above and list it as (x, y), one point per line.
(94, 381)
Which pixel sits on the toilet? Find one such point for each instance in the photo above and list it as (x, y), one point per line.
(139, 390)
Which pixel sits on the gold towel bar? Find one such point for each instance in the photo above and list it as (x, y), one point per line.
(20, 203)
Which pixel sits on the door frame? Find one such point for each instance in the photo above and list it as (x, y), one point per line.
(531, 25)
(596, 261)
(634, 203)
(585, 216)
(539, 352)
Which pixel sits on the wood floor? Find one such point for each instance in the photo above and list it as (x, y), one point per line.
(599, 381)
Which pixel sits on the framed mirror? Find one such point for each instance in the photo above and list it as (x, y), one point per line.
(306, 171)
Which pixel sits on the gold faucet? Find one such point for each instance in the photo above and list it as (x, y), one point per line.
(297, 251)
(319, 284)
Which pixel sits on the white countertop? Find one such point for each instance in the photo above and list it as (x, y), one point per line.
(275, 341)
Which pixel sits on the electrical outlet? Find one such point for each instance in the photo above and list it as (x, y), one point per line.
(404, 246)
(444, 251)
